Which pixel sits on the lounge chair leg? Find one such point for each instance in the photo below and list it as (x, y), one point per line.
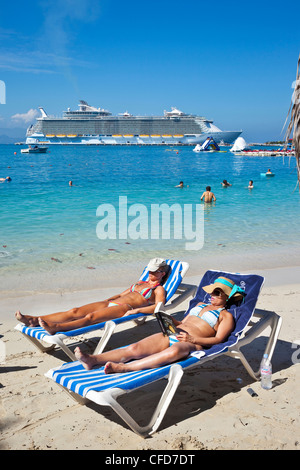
(37, 344)
(78, 398)
(51, 341)
(108, 331)
(275, 323)
(267, 318)
(237, 354)
(110, 399)
(65, 349)
(175, 375)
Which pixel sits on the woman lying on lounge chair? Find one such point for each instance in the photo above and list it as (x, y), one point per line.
(140, 297)
(205, 325)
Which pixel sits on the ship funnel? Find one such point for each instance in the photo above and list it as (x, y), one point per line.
(44, 114)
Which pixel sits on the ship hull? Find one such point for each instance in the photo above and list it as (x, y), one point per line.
(219, 137)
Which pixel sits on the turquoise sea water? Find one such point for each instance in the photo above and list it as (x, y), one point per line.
(47, 226)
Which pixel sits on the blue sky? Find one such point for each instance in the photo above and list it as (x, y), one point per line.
(233, 62)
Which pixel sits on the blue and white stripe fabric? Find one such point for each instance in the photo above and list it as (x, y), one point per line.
(75, 378)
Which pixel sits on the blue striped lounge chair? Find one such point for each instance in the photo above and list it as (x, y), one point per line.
(104, 389)
(175, 290)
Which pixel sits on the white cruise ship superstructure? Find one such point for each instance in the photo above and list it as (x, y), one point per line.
(89, 125)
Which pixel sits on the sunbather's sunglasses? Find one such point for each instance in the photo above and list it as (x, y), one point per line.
(217, 293)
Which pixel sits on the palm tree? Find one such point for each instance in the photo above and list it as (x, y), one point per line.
(294, 124)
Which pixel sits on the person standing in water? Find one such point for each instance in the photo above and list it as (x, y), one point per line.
(208, 195)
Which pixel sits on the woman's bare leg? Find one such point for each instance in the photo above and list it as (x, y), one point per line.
(62, 317)
(167, 356)
(100, 315)
(150, 345)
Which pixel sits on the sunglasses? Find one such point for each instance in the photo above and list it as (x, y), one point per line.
(218, 293)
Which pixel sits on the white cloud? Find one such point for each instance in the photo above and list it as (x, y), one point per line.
(30, 116)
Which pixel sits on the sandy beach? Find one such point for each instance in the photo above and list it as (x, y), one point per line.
(211, 409)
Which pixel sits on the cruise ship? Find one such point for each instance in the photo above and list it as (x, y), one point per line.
(95, 126)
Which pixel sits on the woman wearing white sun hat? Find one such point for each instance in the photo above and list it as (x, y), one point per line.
(141, 297)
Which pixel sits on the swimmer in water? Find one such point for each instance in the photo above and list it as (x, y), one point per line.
(208, 196)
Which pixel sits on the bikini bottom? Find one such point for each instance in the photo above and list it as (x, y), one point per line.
(115, 304)
(173, 340)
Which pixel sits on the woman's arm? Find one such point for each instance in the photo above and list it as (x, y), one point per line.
(160, 296)
(148, 310)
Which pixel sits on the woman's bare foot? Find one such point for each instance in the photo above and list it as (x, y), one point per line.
(86, 360)
(28, 321)
(49, 329)
(114, 367)
(21, 318)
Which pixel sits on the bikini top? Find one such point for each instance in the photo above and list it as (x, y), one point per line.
(146, 292)
(211, 316)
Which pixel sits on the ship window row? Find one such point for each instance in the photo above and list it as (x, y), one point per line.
(106, 129)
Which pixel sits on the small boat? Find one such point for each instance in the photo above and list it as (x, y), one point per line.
(35, 149)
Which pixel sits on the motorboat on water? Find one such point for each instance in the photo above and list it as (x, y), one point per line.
(34, 149)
